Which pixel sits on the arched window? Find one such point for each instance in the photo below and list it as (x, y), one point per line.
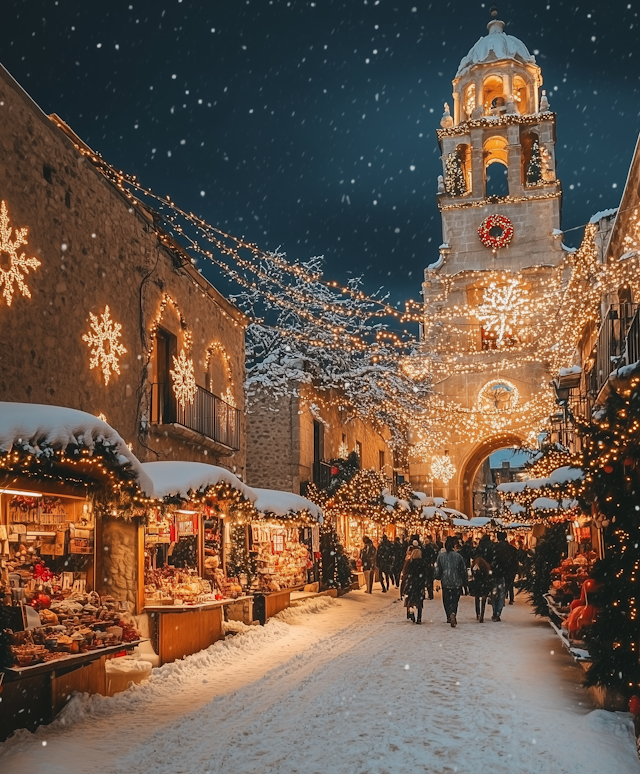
(533, 166)
(496, 160)
(458, 171)
(493, 94)
(470, 99)
(521, 94)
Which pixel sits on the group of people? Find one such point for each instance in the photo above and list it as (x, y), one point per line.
(487, 570)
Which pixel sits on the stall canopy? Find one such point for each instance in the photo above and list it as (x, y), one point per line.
(55, 435)
(284, 504)
(184, 479)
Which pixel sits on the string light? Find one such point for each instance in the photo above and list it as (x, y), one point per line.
(104, 345)
(442, 468)
(184, 380)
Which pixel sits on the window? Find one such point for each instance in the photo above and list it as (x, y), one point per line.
(163, 398)
(318, 441)
(520, 94)
(497, 180)
(359, 451)
(381, 460)
(493, 94)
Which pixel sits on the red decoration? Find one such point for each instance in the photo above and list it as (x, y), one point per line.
(629, 462)
(496, 241)
(608, 468)
(634, 705)
(334, 470)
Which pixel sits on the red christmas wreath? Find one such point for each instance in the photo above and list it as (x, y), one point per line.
(496, 231)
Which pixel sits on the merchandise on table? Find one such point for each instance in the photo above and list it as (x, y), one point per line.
(567, 579)
(282, 560)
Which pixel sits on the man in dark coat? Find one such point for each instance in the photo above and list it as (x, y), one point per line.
(429, 554)
(467, 552)
(368, 557)
(399, 554)
(384, 562)
(504, 569)
(451, 571)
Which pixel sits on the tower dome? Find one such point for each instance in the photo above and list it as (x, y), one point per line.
(495, 46)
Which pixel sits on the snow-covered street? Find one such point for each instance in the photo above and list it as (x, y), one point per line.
(347, 686)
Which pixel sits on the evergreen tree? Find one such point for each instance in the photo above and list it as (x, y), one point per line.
(548, 554)
(454, 180)
(240, 561)
(534, 168)
(612, 457)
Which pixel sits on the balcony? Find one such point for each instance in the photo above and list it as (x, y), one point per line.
(617, 344)
(208, 421)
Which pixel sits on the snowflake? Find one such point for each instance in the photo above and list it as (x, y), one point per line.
(184, 380)
(343, 450)
(442, 468)
(503, 308)
(103, 341)
(19, 265)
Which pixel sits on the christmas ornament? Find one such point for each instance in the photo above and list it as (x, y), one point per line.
(608, 468)
(19, 265)
(104, 345)
(442, 468)
(496, 231)
(184, 380)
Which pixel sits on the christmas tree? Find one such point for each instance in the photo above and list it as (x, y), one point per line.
(454, 179)
(548, 554)
(240, 561)
(611, 457)
(534, 168)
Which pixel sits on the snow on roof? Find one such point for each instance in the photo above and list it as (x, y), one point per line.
(545, 502)
(513, 486)
(431, 511)
(603, 214)
(538, 483)
(419, 496)
(38, 426)
(457, 514)
(517, 508)
(179, 479)
(437, 501)
(493, 47)
(566, 473)
(575, 369)
(285, 504)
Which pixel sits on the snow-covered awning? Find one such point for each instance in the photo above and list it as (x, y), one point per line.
(437, 501)
(516, 508)
(455, 513)
(40, 430)
(546, 503)
(565, 474)
(431, 512)
(513, 486)
(285, 504)
(183, 479)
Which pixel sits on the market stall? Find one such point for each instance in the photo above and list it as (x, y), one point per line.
(60, 471)
(283, 545)
(189, 577)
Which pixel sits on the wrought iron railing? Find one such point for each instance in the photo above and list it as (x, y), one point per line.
(610, 350)
(208, 415)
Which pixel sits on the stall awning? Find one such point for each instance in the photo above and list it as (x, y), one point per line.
(43, 431)
(183, 479)
(285, 504)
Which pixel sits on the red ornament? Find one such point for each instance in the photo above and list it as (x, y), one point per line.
(334, 470)
(496, 231)
(634, 705)
(608, 468)
(629, 462)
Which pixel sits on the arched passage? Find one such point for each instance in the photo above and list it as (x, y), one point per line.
(475, 459)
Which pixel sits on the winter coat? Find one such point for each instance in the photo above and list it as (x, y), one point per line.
(451, 569)
(505, 560)
(414, 582)
(467, 552)
(399, 553)
(368, 556)
(485, 549)
(385, 556)
(430, 554)
(482, 578)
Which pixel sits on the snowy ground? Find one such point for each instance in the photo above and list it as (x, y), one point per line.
(347, 687)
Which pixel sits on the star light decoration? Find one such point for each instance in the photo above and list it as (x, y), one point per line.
(442, 468)
(184, 380)
(19, 265)
(103, 342)
(503, 308)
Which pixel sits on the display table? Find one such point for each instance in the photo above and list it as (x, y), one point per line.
(181, 630)
(34, 695)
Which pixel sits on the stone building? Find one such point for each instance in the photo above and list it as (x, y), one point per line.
(102, 306)
(290, 439)
(499, 200)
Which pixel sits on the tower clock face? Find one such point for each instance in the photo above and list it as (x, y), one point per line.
(496, 232)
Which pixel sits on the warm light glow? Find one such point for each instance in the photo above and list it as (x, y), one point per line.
(184, 380)
(443, 469)
(19, 265)
(21, 492)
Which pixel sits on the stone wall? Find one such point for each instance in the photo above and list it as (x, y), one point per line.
(97, 249)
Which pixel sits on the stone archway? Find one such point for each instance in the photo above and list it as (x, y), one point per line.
(475, 459)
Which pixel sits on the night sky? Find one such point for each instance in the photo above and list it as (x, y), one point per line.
(310, 126)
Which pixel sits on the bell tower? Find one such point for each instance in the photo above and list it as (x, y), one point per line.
(498, 158)
(487, 295)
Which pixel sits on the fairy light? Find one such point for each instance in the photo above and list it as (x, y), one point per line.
(442, 468)
(104, 345)
(19, 265)
(184, 380)
(503, 309)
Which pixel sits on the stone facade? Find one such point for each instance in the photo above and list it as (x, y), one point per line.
(280, 439)
(96, 249)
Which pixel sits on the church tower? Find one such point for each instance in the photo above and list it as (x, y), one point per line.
(499, 200)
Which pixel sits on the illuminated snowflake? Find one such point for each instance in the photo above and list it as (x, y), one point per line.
(227, 397)
(343, 450)
(184, 380)
(503, 309)
(443, 469)
(18, 265)
(104, 345)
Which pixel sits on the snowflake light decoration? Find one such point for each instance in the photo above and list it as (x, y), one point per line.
(104, 344)
(19, 265)
(343, 450)
(443, 469)
(503, 309)
(184, 380)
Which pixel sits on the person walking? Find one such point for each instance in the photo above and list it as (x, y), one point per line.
(467, 550)
(504, 566)
(414, 585)
(429, 554)
(451, 571)
(368, 558)
(384, 562)
(482, 585)
(399, 552)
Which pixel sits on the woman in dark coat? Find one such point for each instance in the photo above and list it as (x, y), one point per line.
(482, 585)
(413, 585)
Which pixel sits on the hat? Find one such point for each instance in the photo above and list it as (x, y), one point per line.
(415, 543)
